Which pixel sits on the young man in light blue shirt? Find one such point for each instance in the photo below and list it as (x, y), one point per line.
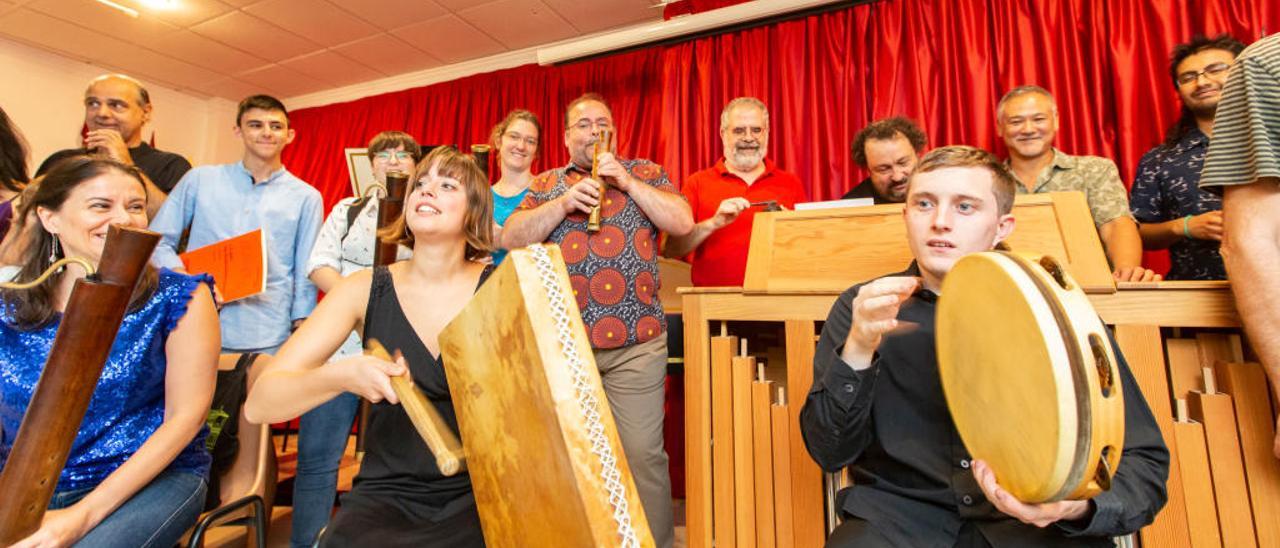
(218, 202)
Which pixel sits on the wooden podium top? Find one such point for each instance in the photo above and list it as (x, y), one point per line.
(824, 251)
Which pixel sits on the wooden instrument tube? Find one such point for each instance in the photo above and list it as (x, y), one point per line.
(80, 349)
(389, 210)
(384, 253)
(481, 154)
(603, 144)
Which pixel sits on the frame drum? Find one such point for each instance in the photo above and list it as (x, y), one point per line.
(1029, 376)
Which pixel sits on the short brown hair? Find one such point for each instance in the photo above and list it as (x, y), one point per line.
(477, 223)
(884, 130)
(585, 97)
(1002, 183)
(495, 136)
(260, 102)
(388, 140)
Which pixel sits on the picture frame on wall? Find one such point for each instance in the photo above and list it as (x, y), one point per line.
(359, 170)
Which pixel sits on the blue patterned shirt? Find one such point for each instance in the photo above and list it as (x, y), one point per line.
(222, 201)
(1168, 187)
(128, 403)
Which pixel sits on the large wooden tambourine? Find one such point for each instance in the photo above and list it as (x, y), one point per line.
(1029, 376)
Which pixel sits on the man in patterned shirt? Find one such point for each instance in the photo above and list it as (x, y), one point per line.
(1172, 211)
(1244, 163)
(614, 273)
(1027, 119)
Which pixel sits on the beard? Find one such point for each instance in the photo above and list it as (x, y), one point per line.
(746, 159)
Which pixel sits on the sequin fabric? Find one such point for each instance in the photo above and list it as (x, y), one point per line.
(128, 403)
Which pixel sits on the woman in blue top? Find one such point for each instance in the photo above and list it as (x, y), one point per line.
(136, 472)
(516, 140)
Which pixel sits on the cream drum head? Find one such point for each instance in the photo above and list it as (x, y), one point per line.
(1029, 376)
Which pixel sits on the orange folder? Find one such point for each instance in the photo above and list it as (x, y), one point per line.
(238, 264)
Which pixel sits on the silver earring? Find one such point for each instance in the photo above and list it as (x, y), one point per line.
(53, 251)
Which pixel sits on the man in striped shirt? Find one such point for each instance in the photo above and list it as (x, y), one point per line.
(1244, 163)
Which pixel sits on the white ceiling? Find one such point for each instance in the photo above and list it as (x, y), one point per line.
(234, 48)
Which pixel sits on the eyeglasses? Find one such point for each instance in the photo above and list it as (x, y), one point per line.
(586, 125)
(387, 155)
(1215, 70)
(529, 141)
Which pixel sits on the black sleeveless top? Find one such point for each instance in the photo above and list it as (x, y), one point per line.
(400, 497)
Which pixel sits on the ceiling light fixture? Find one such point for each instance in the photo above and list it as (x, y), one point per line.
(159, 4)
(123, 9)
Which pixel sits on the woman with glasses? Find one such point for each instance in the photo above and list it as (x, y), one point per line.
(516, 140)
(345, 245)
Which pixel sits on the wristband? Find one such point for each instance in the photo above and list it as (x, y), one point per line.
(1186, 229)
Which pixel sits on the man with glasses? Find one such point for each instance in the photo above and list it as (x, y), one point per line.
(1172, 211)
(722, 195)
(116, 107)
(345, 246)
(614, 272)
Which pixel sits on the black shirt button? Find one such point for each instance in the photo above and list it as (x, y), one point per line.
(848, 388)
(967, 500)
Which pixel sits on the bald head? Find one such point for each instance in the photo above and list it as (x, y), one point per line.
(143, 97)
(119, 103)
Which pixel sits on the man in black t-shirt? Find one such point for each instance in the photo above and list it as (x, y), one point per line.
(116, 107)
(888, 149)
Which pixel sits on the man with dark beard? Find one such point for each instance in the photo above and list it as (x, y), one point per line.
(1172, 211)
(721, 197)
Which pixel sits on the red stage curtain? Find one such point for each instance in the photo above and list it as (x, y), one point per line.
(944, 63)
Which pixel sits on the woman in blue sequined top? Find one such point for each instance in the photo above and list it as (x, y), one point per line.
(136, 472)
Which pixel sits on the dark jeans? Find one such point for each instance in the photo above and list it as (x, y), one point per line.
(322, 437)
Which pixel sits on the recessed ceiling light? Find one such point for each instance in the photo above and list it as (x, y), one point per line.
(124, 9)
(159, 4)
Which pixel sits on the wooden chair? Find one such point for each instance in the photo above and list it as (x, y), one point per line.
(248, 487)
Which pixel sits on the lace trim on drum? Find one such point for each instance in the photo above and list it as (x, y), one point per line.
(586, 397)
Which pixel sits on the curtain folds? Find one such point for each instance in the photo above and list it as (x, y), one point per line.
(944, 63)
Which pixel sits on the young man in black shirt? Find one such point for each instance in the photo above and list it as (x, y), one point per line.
(877, 404)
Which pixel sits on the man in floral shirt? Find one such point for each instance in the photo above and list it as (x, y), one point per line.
(1172, 211)
(614, 273)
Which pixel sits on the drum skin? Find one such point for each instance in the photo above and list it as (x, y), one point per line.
(1029, 376)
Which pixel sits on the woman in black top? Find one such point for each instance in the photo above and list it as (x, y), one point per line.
(399, 498)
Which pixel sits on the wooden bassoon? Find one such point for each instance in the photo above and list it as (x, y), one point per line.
(384, 253)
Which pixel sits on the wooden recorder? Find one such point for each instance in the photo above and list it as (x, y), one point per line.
(603, 144)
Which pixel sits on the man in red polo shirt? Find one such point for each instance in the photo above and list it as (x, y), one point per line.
(721, 197)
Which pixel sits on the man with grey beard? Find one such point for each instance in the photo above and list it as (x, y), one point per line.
(722, 197)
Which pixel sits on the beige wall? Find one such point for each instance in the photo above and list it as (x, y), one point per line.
(42, 92)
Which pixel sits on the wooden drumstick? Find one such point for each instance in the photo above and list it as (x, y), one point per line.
(441, 440)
